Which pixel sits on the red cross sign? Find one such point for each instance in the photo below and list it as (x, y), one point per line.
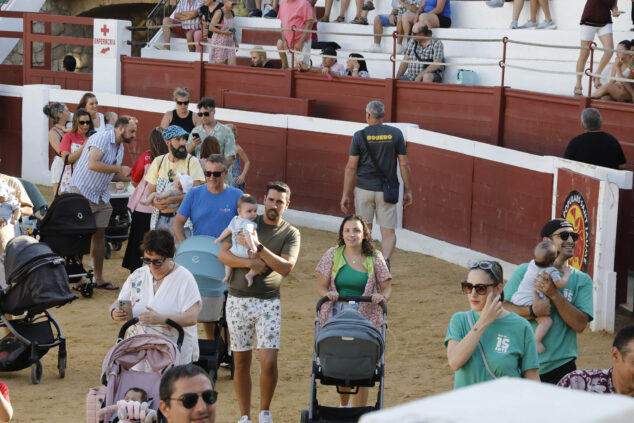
(105, 30)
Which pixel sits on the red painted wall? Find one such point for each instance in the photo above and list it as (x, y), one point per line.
(11, 74)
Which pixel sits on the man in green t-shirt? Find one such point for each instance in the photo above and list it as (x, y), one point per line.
(573, 304)
(256, 309)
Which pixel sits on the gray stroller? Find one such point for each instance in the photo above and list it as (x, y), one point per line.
(349, 352)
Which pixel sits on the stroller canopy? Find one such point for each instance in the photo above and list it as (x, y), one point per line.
(199, 255)
(36, 278)
(68, 214)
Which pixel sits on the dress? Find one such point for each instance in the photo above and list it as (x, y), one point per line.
(524, 294)
(561, 340)
(221, 55)
(595, 380)
(57, 166)
(71, 142)
(235, 174)
(508, 344)
(330, 264)
(178, 293)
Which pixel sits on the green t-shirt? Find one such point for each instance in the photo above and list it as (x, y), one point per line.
(508, 344)
(561, 340)
(350, 281)
(280, 239)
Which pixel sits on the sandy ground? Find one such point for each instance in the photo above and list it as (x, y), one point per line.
(426, 294)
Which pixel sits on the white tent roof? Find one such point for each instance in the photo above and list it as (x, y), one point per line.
(510, 400)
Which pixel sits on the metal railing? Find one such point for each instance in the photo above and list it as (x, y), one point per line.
(154, 20)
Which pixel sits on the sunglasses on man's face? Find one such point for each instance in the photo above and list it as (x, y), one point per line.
(209, 174)
(480, 288)
(83, 122)
(201, 114)
(182, 103)
(190, 399)
(155, 262)
(565, 235)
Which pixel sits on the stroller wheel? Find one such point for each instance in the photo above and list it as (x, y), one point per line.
(86, 290)
(304, 417)
(36, 372)
(61, 366)
(116, 245)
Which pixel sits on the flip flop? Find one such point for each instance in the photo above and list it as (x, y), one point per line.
(107, 286)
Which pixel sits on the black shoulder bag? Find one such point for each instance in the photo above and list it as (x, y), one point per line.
(390, 186)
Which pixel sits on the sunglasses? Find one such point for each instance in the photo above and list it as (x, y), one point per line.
(83, 122)
(480, 288)
(209, 174)
(182, 103)
(155, 262)
(487, 266)
(201, 114)
(190, 399)
(565, 235)
(170, 175)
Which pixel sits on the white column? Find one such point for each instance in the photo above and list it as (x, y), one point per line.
(110, 39)
(34, 134)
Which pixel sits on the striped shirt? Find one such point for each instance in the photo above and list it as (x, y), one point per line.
(188, 6)
(94, 185)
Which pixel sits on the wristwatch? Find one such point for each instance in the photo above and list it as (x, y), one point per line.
(259, 248)
(530, 309)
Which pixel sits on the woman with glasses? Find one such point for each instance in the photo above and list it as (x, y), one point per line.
(354, 267)
(488, 342)
(72, 144)
(181, 115)
(161, 290)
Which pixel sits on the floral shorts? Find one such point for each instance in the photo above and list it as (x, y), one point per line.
(249, 316)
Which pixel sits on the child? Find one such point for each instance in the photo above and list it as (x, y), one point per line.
(545, 254)
(182, 184)
(136, 394)
(134, 407)
(241, 164)
(9, 206)
(111, 119)
(242, 223)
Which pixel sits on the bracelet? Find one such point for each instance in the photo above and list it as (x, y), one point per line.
(530, 309)
(111, 312)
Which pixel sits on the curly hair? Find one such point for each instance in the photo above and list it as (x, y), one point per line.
(367, 245)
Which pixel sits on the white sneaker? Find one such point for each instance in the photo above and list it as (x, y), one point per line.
(400, 49)
(528, 25)
(265, 417)
(513, 25)
(375, 48)
(547, 24)
(244, 419)
(495, 3)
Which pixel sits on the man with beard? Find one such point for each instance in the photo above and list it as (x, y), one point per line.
(162, 173)
(210, 208)
(573, 304)
(256, 308)
(100, 163)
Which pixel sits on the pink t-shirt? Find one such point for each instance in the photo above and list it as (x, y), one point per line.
(295, 12)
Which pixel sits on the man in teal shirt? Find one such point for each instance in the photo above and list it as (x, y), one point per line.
(573, 304)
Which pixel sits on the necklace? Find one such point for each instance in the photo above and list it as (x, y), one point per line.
(156, 281)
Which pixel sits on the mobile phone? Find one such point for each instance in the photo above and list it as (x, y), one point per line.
(195, 135)
(126, 305)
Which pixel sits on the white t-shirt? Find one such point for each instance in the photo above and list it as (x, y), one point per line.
(177, 293)
(240, 225)
(524, 294)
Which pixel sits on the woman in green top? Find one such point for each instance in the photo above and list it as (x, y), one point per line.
(354, 267)
(506, 339)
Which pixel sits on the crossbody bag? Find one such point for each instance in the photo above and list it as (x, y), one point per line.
(484, 359)
(390, 185)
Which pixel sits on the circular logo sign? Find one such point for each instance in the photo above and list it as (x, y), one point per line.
(80, 215)
(576, 212)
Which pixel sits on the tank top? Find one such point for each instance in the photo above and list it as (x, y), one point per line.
(187, 123)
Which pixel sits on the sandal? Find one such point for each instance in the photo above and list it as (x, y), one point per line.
(359, 21)
(578, 91)
(340, 19)
(107, 286)
(368, 5)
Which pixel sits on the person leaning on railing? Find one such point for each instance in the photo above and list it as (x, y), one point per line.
(422, 50)
(329, 65)
(184, 23)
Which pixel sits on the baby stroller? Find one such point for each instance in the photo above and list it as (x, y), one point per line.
(199, 255)
(120, 219)
(36, 281)
(349, 352)
(67, 228)
(117, 372)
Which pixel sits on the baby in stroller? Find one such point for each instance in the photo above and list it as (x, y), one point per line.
(9, 206)
(181, 185)
(242, 224)
(133, 408)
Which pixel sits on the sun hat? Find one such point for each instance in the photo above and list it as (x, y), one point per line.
(173, 131)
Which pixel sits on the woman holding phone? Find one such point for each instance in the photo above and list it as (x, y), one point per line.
(488, 342)
(161, 290)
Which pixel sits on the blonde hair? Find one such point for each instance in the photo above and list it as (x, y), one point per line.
(259, 50)
(181, 92)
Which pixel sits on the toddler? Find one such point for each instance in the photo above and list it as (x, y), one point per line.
(242, 223)
(134, 407)
(544, 256)
(110, 118)
(9, 206)
(182, 184)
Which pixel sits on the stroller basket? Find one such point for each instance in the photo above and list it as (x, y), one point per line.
(14, 354)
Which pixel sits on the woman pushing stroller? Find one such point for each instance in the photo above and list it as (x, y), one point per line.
(161, 290)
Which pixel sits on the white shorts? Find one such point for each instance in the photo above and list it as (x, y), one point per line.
(301, 58)
(57, 167)
(588, 32)
(252, 316)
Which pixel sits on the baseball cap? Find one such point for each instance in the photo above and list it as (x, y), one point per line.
(173, 131)
(552, 225)
(329, 51)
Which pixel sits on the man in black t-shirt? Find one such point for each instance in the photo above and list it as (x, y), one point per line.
(595, 146)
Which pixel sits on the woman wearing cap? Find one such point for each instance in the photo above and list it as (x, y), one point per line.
(181, 115)
(488, 342)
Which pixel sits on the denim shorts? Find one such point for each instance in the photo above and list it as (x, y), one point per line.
(385, 20)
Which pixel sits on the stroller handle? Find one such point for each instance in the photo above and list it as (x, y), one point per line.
(169, 322)
(356, 298)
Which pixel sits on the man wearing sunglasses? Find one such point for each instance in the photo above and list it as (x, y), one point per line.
(571, 307)
(187, 395)
(209, 126)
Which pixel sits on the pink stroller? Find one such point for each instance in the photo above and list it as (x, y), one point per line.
(117, 372)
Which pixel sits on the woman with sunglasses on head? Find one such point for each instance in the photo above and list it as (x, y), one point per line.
(354, 267)
(488, 342)
(181, 115)
(161, 290)
(89, 102)
(73, 143)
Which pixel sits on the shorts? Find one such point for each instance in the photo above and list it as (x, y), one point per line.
(249, 316)
(303, 58)
(368, 203)
(588, 32)
(179, 31)
(385, 20)
(101, 210)
(436, 74)
(444, 21)
(211, 308)
(57, 167)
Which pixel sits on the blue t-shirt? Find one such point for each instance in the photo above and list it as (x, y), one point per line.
(431, 5)
(210, 213)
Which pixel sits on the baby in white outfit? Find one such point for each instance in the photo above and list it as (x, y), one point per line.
(181, 185)
(9, 206)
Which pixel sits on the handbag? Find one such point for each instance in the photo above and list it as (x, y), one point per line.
(390, 185)
(484, 359)
(466, 77)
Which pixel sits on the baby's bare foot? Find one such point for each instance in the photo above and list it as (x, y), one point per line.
(540, 347)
